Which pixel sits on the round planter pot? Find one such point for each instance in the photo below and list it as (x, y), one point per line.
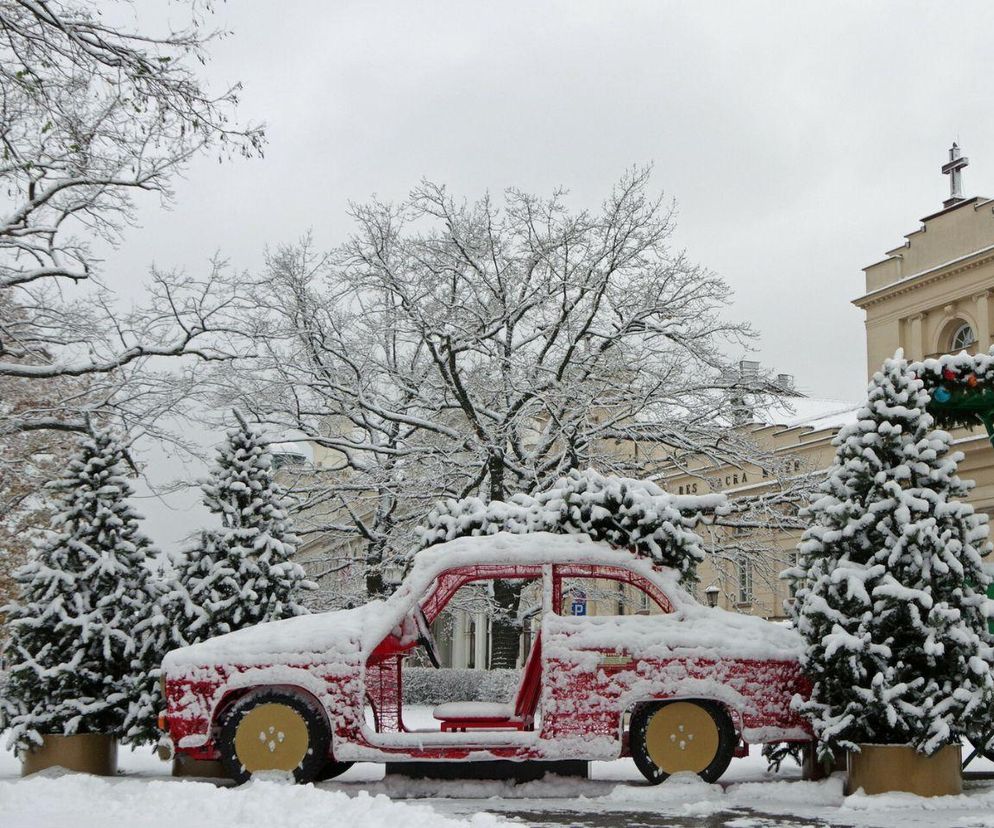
(94, 753)
(814, 770)
(884, 768)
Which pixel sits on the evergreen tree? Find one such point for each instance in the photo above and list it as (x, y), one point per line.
(82, 593)
(155, 635)
(241, 573)
(891, 592)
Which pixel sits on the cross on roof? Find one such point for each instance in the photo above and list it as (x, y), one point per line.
(953, 169)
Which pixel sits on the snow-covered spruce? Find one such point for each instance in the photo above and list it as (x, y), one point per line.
(243, 572)
(891, 592)
(627, 513)
(74, 659)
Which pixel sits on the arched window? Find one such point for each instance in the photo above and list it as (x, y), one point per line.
(963, 337)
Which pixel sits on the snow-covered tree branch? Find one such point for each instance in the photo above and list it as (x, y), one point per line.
(93, 114)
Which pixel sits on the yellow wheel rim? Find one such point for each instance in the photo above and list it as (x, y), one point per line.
(681, 736)
(271, 737)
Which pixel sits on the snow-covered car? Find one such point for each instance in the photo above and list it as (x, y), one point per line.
(681, 687)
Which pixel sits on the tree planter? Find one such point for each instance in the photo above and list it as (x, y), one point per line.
(94, 753)
(884, 768)
(814, 770)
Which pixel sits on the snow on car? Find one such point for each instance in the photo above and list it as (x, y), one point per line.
(683, 689)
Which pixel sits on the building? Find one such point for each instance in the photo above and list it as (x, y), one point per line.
(929, 296)
(932, 295)
(796, 434)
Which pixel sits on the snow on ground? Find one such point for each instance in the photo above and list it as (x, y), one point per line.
(144, 796)
(54, 801)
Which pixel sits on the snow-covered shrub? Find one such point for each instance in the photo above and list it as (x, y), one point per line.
(428, 686)
(498, 685)
(632, 514)
(891, 591)
(74, 657)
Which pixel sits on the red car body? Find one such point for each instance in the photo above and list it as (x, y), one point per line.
(583, 675)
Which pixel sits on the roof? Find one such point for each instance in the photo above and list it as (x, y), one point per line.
(811, 412)
(293, 448)
(347, 637)
(350, 635)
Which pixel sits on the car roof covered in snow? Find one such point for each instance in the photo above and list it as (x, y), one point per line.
(349, 636)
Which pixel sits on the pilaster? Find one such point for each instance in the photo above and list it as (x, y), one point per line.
(983, 320)
(916, 348)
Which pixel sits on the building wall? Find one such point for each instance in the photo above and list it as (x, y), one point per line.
(749, 581)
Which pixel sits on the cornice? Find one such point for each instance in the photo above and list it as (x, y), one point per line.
(925, 277)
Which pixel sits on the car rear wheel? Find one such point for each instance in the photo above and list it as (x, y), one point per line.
(273, 731)
(682, 736)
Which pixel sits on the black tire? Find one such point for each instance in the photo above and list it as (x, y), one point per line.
(332, 769)
(298, 736)
(653, 757)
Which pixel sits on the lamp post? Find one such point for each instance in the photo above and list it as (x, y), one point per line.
(711, 593)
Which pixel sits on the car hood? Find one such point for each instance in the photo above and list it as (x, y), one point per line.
(338, 635)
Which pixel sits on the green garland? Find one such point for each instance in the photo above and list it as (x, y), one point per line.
(961, 389)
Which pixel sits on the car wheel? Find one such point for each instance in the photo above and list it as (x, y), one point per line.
(670, 737)
(273, 731)
(332, 769)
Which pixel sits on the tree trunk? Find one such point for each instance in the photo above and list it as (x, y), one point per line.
(374, 583)
(374, 571)
(495, 469)
(505, 630)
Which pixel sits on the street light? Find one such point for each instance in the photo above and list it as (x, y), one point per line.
(711, 593)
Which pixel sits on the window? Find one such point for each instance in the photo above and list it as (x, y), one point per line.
(592, 589)
(288, 459)
(963, 337)
(745, 580)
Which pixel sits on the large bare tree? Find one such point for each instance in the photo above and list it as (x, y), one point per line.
(452, 348)
(90, 115)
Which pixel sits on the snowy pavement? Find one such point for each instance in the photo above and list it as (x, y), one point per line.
(145, 796)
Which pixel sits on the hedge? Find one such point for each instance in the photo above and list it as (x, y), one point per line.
(428, 686)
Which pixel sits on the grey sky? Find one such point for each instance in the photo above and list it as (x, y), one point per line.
(800, 140)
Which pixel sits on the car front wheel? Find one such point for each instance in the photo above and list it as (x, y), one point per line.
(670, 737)
(274, 731)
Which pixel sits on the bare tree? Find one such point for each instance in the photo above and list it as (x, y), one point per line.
(91, 115)
(449, 349)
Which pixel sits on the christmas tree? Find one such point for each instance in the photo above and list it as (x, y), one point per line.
(891, 593)
(241, 573)
(82, 594)
(155, 635)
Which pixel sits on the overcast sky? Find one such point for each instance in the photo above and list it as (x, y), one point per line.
(800, 140)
